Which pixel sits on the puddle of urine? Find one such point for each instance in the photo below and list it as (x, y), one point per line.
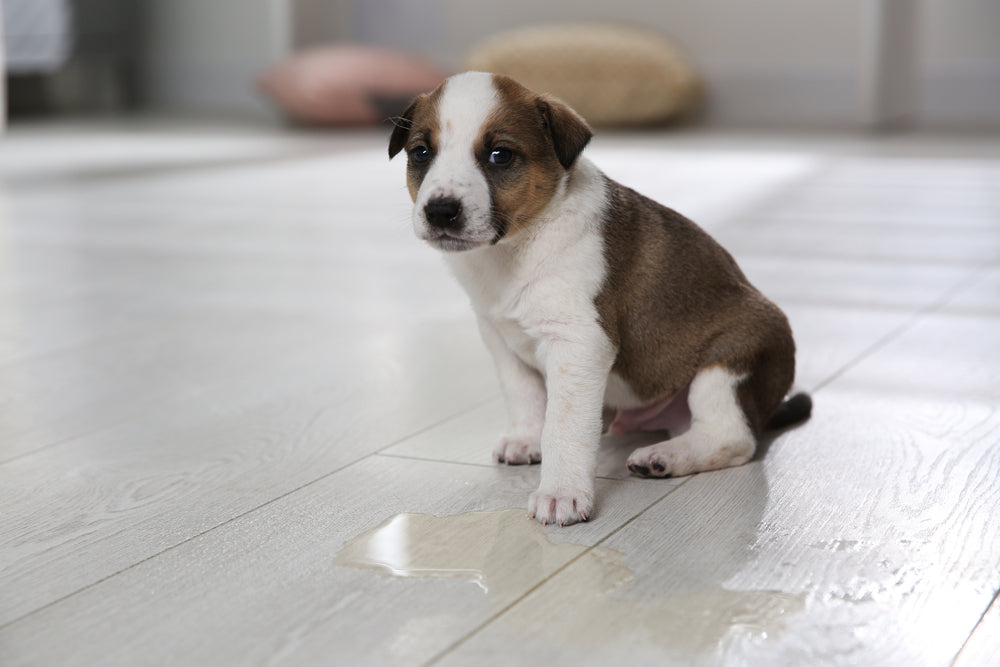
(499, 551)
(593, 600)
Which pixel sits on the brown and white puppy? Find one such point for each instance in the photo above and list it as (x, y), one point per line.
(590, 296)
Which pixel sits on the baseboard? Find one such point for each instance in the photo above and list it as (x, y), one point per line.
(966, 97)
(813, 98)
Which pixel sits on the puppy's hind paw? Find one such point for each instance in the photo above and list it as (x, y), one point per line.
(688, 454)
(517, 450)
(651, 465)
(561, 507)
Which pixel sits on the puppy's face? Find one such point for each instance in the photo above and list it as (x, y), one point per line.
(484, 157)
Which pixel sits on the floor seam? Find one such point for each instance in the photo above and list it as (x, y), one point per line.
(917, 315)
(492, 464)
(994, 600)
(444, 420)
(743, 254)
(130, 173)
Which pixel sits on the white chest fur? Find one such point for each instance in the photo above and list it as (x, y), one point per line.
(540, 285)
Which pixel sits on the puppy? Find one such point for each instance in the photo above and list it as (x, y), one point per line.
(592, 299)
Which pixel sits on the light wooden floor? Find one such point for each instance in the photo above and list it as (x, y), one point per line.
(223, 356)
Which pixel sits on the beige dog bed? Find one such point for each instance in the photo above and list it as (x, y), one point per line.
(612, 75)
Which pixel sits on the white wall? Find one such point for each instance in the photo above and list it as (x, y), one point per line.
(960, 63)
(316, 22)
(203, 55)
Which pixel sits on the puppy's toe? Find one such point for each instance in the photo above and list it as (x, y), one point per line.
(563, 507)
(639, 469)
(518, 450)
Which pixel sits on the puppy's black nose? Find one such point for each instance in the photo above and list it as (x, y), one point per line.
(443, 213)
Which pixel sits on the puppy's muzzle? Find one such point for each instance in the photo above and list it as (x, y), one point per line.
(444, 214)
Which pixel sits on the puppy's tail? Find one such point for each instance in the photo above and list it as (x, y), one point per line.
(795, 409)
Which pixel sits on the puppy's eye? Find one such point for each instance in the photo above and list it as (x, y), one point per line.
(501, 156)
(420, 154)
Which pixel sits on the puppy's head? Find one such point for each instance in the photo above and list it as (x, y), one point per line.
(484, 157)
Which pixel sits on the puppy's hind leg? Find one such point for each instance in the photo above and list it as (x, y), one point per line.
(720, 435)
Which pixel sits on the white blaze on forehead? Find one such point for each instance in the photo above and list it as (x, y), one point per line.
(466, 102)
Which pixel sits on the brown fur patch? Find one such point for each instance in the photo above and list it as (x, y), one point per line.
(674, 302)
(419, 124)
(521, 190)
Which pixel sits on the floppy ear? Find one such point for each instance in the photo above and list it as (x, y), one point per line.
(569, 131)
(401, 131)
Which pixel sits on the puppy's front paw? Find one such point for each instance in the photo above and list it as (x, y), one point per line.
(517, 450)
(562, 506)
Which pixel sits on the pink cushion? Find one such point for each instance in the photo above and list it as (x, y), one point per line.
(347, 85)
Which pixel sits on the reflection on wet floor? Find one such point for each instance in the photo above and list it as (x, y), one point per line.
(508, 555)
(502, 552)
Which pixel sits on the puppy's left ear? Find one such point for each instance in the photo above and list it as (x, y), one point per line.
(569, 131)
(403, 123)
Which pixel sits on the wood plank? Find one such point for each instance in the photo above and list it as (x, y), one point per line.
(929, 200)
(880, 208)
(943, 355)
(982, 297)
(852, 283)
(83, 389)
(865, 241)
(116, 307)
(712, 185)
(829, 338)
(137, 291)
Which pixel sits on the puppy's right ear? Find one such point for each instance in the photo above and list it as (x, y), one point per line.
(403, 123)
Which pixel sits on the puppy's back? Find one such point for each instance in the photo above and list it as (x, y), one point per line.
(674, 300)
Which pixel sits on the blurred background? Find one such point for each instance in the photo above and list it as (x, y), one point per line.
(762, 63)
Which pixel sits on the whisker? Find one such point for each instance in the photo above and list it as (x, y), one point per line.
(400, 121)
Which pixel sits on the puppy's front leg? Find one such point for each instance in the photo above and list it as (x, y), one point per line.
(576, 373)
(524, 394)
